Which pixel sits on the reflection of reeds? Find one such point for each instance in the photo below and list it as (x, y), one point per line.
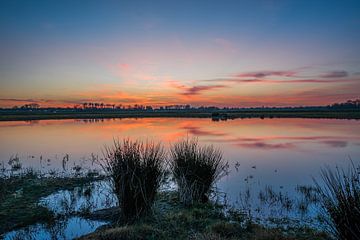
(195, 169)
(340, 198)
(2, 187)
(15, 163)
(136, 169)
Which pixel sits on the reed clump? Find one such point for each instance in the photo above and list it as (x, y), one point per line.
(340, 199)
(195, 169)
(136, 169)
(2, 187)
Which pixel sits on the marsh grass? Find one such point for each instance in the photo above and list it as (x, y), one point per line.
(2, 187)
(203, 221)
(136, 169)
(340, 199)
(15, 163)
(195, 169)
(19, 206)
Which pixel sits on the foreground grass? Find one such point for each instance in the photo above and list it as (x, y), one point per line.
(20, 197)
(170, 220)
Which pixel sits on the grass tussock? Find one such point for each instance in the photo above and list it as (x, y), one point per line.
(340, 199)
(195, 169)
(136, 169)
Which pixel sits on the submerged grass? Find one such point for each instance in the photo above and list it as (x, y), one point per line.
(340, 199)
(195, 169)
(136, 169)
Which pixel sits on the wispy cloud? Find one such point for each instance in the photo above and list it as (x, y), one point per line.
(29, 100)
(336, 143)
(335, 74)
(283, 77)
(194, 90)
(198, 89)
(262, 74)
(263, 80)
(264, 145)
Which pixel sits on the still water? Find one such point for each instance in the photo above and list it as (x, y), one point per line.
(274, 151)
(280, 153)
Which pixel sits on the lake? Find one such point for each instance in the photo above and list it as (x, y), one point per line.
(279, 153)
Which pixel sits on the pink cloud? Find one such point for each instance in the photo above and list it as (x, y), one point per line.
(261, 74)
(198, 89)
(123, 66)
(194, 90)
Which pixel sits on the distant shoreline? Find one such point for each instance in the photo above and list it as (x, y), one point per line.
(219, 115)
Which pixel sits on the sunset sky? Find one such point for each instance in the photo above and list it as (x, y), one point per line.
(222, 53)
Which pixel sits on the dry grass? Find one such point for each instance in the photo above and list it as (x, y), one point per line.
(196, 169)
(136, 169)
(340, 199)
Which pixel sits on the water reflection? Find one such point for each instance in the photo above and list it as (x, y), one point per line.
(95, 196)
(61, 230)
(297, 148)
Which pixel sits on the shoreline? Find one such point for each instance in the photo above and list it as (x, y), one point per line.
(215, 116)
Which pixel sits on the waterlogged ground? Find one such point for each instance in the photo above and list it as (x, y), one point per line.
(271, 161)
(63, 229)
(67, 206)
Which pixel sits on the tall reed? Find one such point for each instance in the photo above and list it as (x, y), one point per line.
(340, 199)
(136, 169)
(195, 169)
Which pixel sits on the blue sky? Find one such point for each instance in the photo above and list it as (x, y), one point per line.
(166, 52)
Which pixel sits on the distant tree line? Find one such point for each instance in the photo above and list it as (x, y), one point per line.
(28, 106)
(350, 104)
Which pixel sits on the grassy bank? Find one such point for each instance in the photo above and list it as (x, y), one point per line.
(171, 220)
(223, 115)
(21, 194)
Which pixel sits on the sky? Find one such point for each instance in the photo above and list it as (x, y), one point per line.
(203, 53)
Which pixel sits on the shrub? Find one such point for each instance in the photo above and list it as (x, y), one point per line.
(340, 199)
(196, 169)
(136, 169)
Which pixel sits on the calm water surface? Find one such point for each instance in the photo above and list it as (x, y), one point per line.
(277, 151)
(281, 153)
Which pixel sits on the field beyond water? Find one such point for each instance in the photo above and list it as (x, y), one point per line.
(19, 115)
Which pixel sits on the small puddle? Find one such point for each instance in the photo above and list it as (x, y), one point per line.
(70, 228)
(92, 197)
(66, 204)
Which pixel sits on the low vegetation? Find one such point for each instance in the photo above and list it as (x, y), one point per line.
(340, 198)
(20, 195)
(136, 169)
(203, 221)
(195, 169)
